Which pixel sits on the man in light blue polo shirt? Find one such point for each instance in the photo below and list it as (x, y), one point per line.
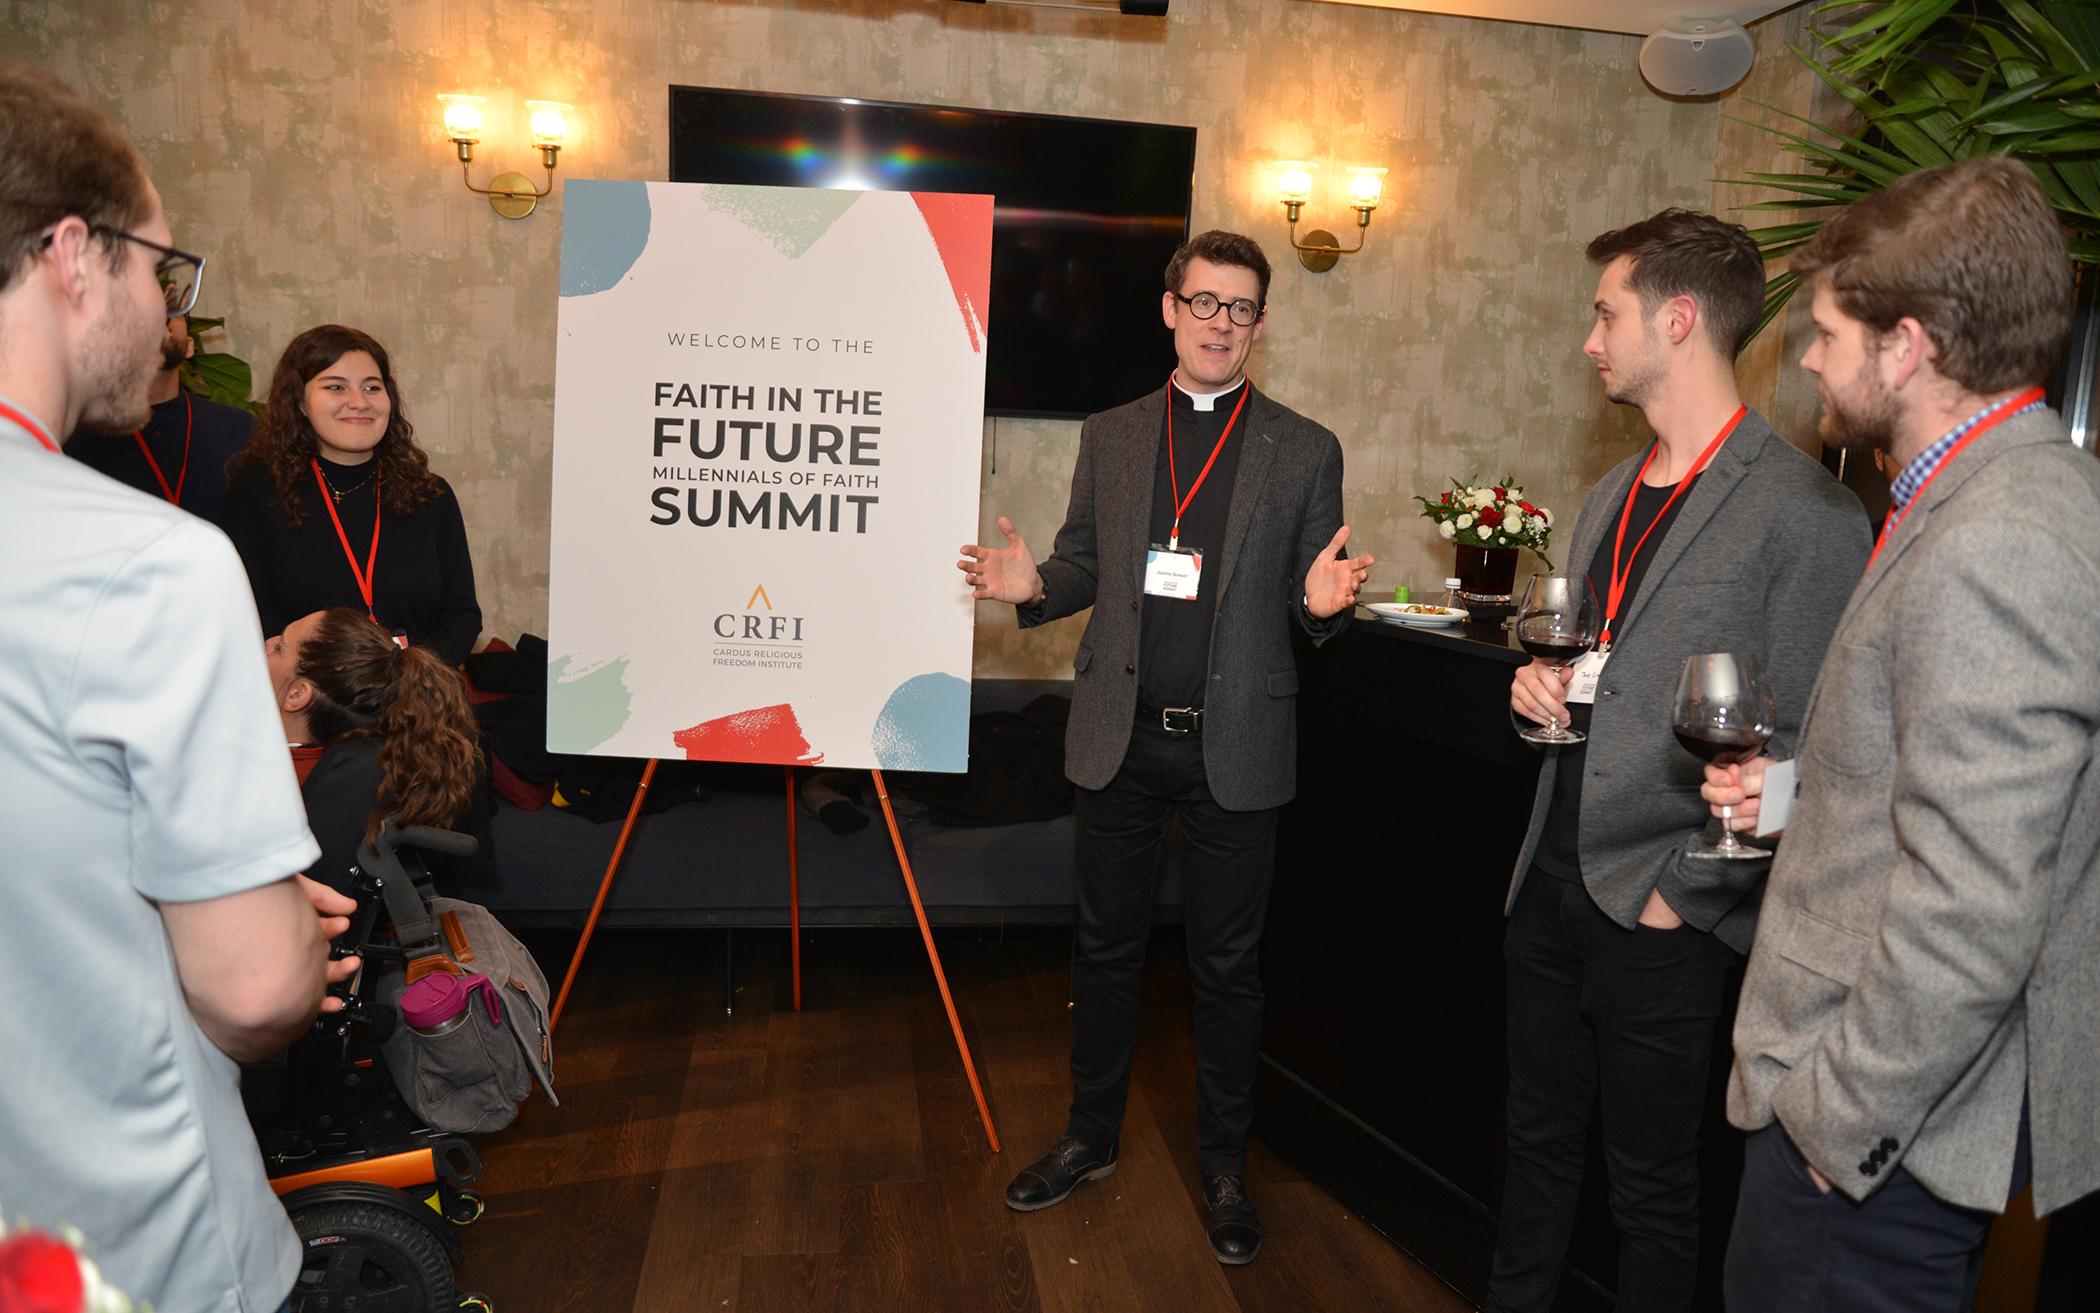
(152, 929)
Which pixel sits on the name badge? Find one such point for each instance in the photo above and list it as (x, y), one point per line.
(1582, 689)
(1172, 573)
(1777, 799)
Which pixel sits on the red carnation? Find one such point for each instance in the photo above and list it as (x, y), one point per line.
(1501, 494)
(1491, 517)
(39, 1275)
(1529, 509)
(1447, 499)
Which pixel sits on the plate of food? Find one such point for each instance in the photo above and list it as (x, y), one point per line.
(1414, 613)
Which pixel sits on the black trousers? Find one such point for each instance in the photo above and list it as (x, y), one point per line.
(1619, 1022)
(1228, 863)
(1795, 1249)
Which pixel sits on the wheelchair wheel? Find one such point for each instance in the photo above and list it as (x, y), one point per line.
(369, 1259)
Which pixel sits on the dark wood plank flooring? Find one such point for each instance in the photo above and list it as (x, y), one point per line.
(832, 1159)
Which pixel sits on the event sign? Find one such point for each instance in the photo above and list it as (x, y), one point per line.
(767, 425)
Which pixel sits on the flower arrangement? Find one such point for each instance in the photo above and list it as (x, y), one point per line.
(1491, 515)
(42, 1274)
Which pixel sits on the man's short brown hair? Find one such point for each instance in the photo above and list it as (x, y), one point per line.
(1973, 252)
(61, 156)
(1686, 253)
(1220, 247)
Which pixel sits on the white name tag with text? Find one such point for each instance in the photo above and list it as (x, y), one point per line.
(1582, 689)
(1777, 801)
(1172, 573)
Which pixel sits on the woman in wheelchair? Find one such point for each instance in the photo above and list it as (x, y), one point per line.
(400, 738)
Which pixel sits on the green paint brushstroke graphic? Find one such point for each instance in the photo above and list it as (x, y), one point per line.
(584, 711)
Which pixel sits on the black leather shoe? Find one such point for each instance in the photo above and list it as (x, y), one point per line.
(1050, 1178)
(1235, 1228)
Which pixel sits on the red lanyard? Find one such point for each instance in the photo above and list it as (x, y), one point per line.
(2004, 411)
(189, 431)
(36, 430)
(1181, 503)
(365, 576)
(1622, 570)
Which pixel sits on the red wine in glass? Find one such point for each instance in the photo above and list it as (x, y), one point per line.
(1557, 622)
(1723, 713)
(1721, 747)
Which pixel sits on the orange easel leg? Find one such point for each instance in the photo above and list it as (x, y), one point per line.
(641, 791)
(940, 977)
(794, 896)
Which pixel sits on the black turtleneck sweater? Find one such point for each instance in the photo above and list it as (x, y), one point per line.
(1174, 639)
(424, 579)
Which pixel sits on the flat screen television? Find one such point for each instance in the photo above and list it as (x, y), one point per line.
(1086, 213)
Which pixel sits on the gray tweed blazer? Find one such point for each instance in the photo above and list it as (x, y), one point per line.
(1930, 953)
(1286, 505)
(1761, 557)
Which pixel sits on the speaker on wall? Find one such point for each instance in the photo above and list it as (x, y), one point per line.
(1697, 56)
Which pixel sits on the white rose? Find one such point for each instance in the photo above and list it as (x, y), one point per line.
(1481, 498)
(1515, 493)
(1514, 522)
(1504, 542)
(1446, 529)
(1465, 521)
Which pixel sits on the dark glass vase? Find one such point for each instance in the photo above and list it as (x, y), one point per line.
(1487, 574)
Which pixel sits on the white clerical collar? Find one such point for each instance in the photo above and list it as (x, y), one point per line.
(1208, 400)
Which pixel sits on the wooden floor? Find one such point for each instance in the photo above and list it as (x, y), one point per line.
(833, 1159)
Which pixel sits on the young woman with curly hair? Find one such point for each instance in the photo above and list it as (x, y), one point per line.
(333, 504)
(400, 737)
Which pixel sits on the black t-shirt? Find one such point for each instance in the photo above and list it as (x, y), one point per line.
(1557, 853)
(212, 433)
(1174, 638)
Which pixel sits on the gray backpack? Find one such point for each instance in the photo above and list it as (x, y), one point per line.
(471, 1073)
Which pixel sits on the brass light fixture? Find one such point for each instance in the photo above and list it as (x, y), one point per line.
(510, 194)
(1321, 250)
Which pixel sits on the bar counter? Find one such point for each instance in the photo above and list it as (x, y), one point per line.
(1382, 1074)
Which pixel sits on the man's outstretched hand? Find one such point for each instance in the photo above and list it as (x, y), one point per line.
(1002, 574)
(1331, 584)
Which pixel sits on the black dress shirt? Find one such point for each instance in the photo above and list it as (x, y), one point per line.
(1174, 639)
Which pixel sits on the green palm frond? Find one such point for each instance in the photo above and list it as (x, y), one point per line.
(1934, 81)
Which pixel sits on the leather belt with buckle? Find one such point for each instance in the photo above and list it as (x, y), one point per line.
(1174, 720)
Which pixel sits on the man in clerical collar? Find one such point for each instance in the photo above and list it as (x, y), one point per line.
(182, 450)
(1205, 520)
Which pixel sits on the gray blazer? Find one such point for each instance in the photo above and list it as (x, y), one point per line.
(1930, 953)
(1286, 505)
(1761, 557)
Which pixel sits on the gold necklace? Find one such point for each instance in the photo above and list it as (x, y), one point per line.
(340, 493)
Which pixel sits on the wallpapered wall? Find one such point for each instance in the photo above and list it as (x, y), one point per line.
(302, 150)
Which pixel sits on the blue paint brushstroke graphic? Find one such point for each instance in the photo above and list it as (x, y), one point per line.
(925, 725)
(604, 229)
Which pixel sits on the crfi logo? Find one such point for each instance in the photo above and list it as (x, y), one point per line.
(755, 627)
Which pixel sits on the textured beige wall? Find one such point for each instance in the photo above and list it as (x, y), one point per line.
(301, 149)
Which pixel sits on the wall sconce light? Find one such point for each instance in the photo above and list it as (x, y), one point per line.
(511, 194)
(1321, 251)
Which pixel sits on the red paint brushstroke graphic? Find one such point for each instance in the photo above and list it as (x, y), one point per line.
(768, 736)
(962, 233)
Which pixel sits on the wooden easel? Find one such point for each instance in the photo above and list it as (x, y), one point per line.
(911, 887)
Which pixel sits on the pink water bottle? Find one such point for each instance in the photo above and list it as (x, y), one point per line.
(439, 1004)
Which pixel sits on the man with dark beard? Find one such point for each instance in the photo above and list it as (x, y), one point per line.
(1915, 1040)
(1718, 536)
(181, 452)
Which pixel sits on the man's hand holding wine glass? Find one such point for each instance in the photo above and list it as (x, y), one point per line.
(1732, 791)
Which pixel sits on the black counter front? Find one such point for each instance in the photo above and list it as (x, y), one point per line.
(1383, 1074)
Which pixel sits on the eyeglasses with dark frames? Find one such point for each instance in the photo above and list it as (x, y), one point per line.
(179, 273)
(1205, 305)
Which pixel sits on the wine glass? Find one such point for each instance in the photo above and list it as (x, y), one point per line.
(1723, 713)
(1557, 622)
